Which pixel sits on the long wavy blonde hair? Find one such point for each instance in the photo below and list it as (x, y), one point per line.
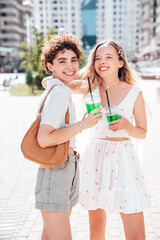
(125, 73)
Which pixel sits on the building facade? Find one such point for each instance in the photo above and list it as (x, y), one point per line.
(119, 20)
(64, 15)
(12, 30)
(150, 29)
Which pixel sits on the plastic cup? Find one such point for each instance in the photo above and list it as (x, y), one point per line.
(92, 105)
(114, 115)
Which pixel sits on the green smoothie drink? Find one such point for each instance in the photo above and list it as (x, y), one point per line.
(111, 118)
(92, 105)
(112, 115)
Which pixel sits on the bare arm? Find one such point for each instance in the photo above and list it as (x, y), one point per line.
(49, 136)
(140, 128)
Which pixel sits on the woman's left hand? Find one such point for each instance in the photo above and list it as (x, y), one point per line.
(117, 125)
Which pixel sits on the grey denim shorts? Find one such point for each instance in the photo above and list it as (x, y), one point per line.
(57, 188)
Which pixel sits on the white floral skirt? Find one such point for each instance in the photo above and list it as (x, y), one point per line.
(111, 178)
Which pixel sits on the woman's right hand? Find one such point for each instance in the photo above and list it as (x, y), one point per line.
(90, 119)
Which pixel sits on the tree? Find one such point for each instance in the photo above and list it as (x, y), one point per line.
(31, 58)
(83, 60)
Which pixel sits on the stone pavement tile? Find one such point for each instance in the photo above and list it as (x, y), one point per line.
(155, 216)
(149, 228)
(37, 227)
(150, 236)
(34, 236)
(157, 232)
(24, 232)
(147, 220)
(28, 224)
(80, 236)
(21, 238)
(114, 232)
(4, 234)
(114, 238)
(156, 224)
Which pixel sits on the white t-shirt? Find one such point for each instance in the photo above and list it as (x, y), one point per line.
(55, 106)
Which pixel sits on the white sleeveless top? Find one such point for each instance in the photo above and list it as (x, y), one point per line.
(125, 108)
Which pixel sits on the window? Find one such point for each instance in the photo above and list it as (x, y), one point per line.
(5, 23)
(5, 40)
(3, 14)
(2, 5)
(4, 31)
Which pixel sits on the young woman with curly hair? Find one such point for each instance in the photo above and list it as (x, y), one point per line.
(57, 188)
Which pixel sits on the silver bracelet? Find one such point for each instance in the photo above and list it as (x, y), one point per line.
(80, 124)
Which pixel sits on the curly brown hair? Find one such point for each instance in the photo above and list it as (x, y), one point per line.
(56, 44)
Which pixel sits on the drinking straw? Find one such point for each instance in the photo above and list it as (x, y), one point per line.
(109, 107)
(89, 84)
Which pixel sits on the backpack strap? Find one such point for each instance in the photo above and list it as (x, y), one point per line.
(42, 105)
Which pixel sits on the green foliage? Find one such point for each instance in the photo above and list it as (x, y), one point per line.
(29, 76)
(51, 32)
(31, 58)
(83, 60)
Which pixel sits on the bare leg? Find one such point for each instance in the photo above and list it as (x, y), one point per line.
(44, 233)
(133, 226)
(97, 221)
(56, 225)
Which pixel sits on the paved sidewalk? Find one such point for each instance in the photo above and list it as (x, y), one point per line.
(18, 218)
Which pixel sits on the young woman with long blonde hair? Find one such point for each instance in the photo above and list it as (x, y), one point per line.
(111, 177)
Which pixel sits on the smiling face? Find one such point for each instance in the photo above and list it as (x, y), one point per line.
(65, 66)
(107, 61)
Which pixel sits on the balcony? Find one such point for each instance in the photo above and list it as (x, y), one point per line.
(10, 10)
(10, 19)
(15, 28)
(10, 36)
(10, 44)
